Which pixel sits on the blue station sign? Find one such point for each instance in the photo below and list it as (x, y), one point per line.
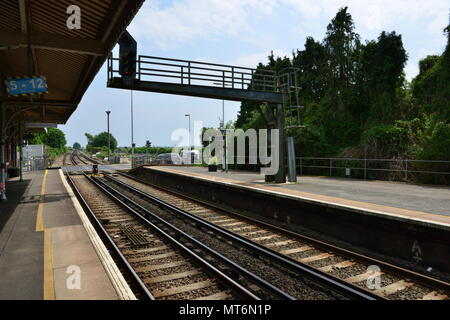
(23, 86)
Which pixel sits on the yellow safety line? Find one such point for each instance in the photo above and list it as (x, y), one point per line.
(49, 288)
(40, 218)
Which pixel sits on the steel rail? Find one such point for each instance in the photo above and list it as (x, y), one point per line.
(255, 278)
(110, 242)
(89, 158)
(396, 270)
(75, 155)
(296, 266)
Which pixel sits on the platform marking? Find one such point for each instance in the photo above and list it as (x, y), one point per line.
(118, 281)
(40, 218)
(49, 288)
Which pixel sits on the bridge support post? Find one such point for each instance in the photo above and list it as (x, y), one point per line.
(292, 175)
(280, 176)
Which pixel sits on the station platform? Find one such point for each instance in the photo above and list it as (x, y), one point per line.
(48, 248)
(411, 202)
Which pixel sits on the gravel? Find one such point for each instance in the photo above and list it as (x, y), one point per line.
(112, 211)
(326, 261)
(351, 271)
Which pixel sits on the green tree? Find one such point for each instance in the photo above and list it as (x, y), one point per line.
(340, 42)
(101, 140)
(55, 138)
(76, 146)
(382, 63)
(312, 64)
(431, 88)
(357, 101)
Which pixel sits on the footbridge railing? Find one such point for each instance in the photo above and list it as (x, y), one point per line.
(187, 72)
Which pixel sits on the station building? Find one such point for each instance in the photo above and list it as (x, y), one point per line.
(50, 52)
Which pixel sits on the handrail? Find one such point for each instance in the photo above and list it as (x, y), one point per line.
(200, 62)
(200, 73)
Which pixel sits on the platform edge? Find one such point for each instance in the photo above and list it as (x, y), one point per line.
(119, 283)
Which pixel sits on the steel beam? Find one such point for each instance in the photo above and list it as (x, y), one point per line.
(49, 41)
(45, 103)
(198, 91)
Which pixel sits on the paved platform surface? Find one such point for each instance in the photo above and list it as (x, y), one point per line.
(44, 245)
(430, 203)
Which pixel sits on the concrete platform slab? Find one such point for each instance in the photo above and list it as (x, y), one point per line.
(42, 240)
(73, 252)
(91, 283)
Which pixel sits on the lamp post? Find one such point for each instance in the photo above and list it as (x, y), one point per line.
(189, 119)
(109, 136)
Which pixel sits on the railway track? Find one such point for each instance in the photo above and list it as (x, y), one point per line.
(177, 260)
(381, 279)
(164, 262)
(78, 158)
(164, 267)
(296, 280)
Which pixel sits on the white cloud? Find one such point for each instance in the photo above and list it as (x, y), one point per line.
(377, 14)
(252, 60)
(188, 20)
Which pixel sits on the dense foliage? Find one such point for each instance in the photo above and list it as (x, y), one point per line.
(100, 140)
(54, 140)
(356, 101)
(144, 150)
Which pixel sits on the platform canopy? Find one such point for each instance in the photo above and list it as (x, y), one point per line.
(36, 40)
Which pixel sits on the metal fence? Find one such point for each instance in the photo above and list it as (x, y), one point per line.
(114, 159)
(36, 163)
(141, 159)
(383, 169)
(199, 73)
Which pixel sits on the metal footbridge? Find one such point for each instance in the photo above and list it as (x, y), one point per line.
(199, 79)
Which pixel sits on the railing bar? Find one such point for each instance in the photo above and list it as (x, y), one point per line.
(218, 77)
(197, 62)
(360, 159)
(194, 67)
(178, 77)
